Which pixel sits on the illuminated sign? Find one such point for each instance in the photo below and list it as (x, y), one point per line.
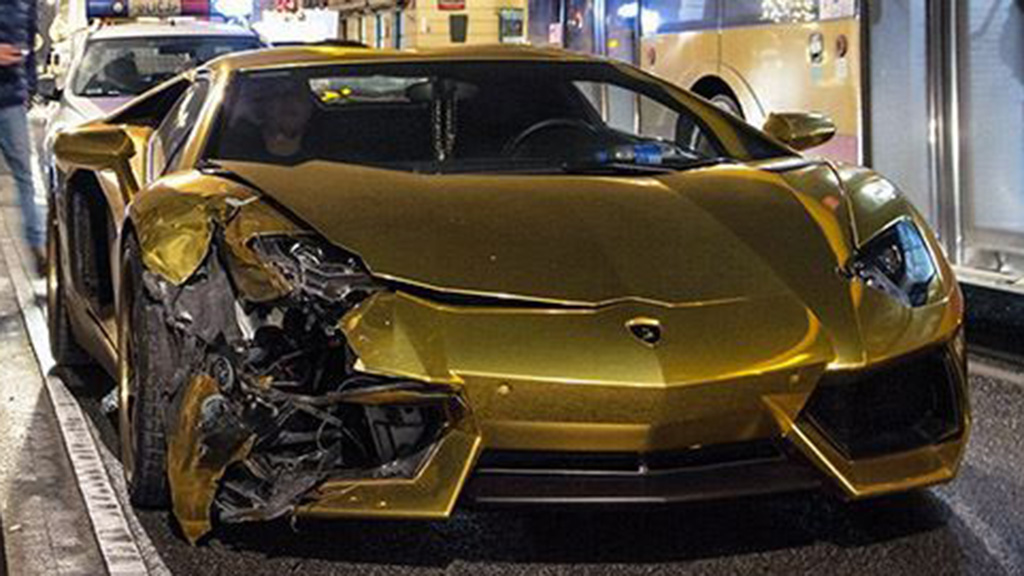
(142, 8)
(233, 8)
(836, 9)
(286, 5)
(451, 4)
(780, 11)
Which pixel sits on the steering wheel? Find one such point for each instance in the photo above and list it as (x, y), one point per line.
(550, 124)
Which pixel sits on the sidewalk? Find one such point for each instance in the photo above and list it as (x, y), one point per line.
(91, 528)
(45, 525)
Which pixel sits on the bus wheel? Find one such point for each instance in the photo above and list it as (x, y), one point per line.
(727, 103)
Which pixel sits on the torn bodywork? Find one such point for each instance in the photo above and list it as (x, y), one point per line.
(267, 401)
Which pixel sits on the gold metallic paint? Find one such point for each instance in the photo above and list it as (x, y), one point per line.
(594, 235)
(577, 380)
(257, 281)
(800, 130)
(193, 472)
(521, 401)
(175, 220)
(99, 147)
(430, 494)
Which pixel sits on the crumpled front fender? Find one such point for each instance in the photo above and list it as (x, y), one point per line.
(176, 221)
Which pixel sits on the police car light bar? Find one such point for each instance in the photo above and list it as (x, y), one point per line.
(143, 8)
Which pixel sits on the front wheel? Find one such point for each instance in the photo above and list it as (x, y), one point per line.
(143, 341)
(729, 104)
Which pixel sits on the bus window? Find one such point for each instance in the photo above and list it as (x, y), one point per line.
(544, 26)
(579, 26)
(620, 30)
(750, 12)
(668, 16)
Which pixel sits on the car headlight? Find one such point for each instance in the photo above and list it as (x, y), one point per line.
(317, 269)
(897, 261)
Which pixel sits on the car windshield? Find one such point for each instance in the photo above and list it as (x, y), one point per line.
(130, 66)
(465, 117)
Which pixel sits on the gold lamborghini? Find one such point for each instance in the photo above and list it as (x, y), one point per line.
(339, 282)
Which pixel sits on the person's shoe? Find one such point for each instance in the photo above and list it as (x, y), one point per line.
(39, 258)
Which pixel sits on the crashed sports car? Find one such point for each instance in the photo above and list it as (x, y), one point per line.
(337, 282)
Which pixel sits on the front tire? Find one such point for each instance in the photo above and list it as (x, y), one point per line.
(142, 344)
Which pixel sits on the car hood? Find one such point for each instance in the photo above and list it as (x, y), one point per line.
(703, 236)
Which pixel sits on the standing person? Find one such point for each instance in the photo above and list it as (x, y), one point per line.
(17, 84)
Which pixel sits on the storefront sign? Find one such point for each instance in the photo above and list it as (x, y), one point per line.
(451, 4)
(555, 33)
(510, 26)
(835, 9)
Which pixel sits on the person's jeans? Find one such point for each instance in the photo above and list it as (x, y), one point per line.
(17, 150)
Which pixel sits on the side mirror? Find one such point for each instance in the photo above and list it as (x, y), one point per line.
(800, 130)
(46, 86)
(98, 147)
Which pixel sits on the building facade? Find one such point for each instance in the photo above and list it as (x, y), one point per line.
(426, 23)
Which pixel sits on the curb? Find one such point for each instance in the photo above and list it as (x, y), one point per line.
(110, 516)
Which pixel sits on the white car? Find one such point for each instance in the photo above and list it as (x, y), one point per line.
(112, 62)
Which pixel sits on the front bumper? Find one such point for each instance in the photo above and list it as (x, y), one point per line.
(553, 391)
(717, 472)
(918, 448)
(895, 449)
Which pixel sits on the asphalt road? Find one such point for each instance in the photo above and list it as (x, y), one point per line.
(973, 526)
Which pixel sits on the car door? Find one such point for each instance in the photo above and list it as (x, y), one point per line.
(90, 213)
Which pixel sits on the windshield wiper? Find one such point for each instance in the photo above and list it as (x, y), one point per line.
(536, 166)
(705, 162)
(641, 168)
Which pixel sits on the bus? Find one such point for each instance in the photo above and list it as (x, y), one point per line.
(750, 57)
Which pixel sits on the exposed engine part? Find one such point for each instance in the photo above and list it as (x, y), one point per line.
(316, 270)
(108, 405)
(223, 372)
(395, 429)
(265, 403)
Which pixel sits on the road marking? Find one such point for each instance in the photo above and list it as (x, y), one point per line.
(120, 547)
(997, 547)
(980, 367)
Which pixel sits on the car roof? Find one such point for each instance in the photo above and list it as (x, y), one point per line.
(321, 55)
(171, 27)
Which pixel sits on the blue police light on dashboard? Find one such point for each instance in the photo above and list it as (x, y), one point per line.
(106, 9)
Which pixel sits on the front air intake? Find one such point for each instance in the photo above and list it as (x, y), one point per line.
(905, 405)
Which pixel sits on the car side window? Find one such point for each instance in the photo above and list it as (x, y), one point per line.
(753, 12)
(169, 138)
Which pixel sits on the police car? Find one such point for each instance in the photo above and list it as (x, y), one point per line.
(113, 61)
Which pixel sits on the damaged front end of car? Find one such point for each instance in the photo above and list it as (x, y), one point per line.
(269, 411)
